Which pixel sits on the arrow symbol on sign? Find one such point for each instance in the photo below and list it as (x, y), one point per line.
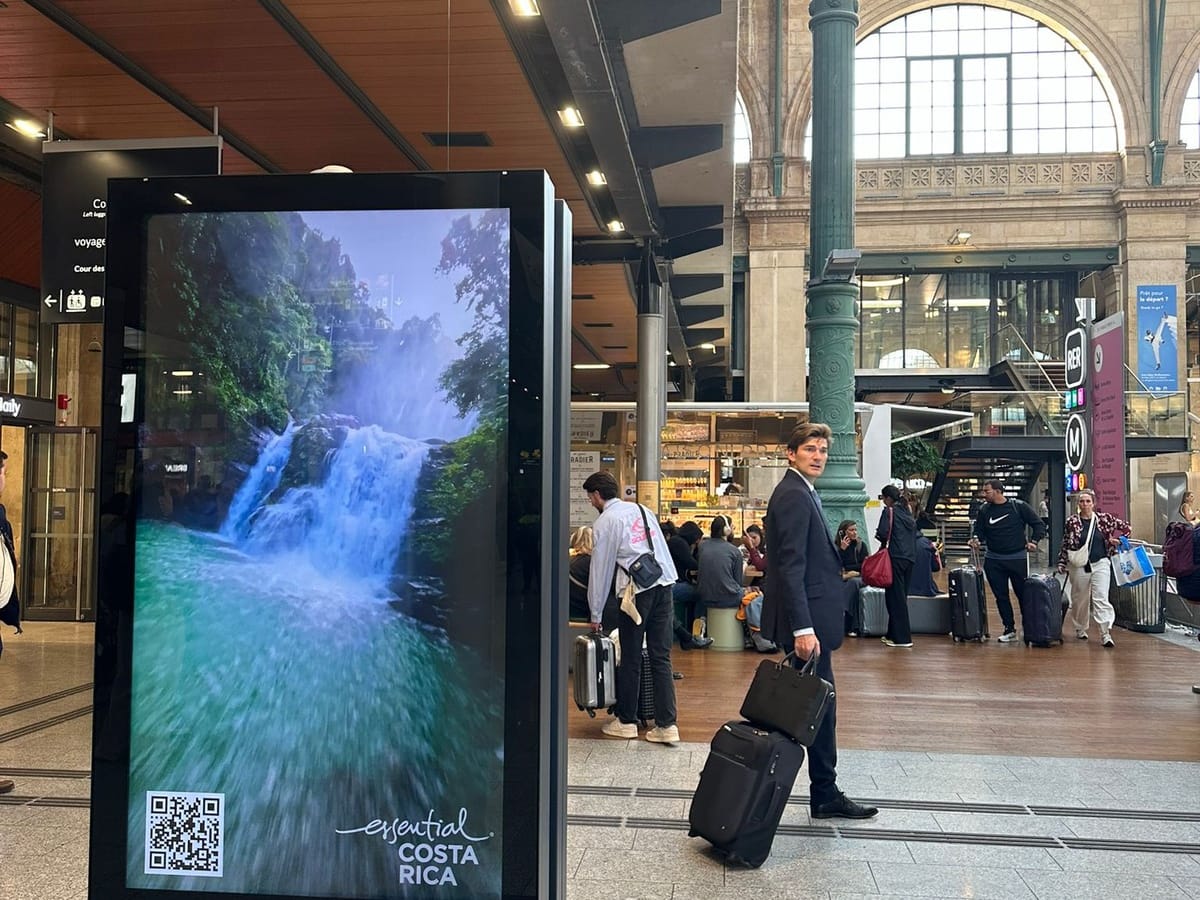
(50, 301)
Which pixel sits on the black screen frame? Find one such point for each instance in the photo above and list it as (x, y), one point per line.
(533, 718)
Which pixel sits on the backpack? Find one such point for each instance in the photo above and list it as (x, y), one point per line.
(1178, 559)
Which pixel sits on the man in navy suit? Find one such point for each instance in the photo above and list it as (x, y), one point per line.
(804, 603)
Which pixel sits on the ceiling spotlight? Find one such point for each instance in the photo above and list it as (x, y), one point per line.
(958, 237)
(570, 117)
(708, 346)
(182, 373)
(26, 127)
(524, 8)
(591, 366)
(946, 385)
(616, 226)
(596, 178)
(182, 199)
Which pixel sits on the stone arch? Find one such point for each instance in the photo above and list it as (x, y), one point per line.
(757, 102)
(1175, 89)
(1130, 112)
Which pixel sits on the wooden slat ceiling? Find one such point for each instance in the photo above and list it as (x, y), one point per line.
(20, 234)
(426, 65)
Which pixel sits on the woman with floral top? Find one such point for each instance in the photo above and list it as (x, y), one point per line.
(1100, 533)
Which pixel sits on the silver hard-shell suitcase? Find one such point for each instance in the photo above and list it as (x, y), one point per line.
(873, 603)
(595, 672)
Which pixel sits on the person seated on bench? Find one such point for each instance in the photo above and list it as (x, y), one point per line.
(718, 573)
(583, 542)
(921, 584)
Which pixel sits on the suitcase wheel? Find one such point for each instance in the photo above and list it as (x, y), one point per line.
(591, 713)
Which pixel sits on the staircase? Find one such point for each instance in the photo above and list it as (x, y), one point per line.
(964, 479)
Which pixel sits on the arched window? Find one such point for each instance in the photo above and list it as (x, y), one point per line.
(968, 79)
(1189, 122)
(741, 133)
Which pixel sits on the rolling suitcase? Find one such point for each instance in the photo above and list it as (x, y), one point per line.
(968, 612)
(645, 709)
(1042, 610)
(743, 790)
(873, 621)
(595, 673)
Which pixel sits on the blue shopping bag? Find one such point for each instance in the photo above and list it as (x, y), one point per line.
(1131, 565)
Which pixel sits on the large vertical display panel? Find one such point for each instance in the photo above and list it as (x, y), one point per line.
(1107, 412)
(320, 648)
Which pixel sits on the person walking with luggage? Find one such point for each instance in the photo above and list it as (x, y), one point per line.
(805, 601)
(1003, 527)
(1089, 538)
(624, 532)
(897, 532)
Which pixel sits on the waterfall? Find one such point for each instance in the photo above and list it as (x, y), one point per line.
(263, 478)
(353, 522)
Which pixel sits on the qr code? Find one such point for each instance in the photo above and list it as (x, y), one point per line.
(184, 833)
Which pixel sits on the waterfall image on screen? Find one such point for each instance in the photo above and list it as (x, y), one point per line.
(318, 660)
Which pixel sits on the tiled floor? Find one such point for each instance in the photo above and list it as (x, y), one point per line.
(951, 825)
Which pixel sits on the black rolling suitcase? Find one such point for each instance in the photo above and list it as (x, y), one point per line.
(645, 710)
(968, 610)
(743, 790)
(1042, 610)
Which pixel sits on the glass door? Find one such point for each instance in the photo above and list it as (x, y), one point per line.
(60, 513)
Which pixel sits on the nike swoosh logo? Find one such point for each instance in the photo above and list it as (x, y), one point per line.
(1001, 519)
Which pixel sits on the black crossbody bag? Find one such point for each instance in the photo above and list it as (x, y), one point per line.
(645, 570)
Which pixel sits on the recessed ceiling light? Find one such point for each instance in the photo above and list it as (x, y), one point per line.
(616, 226)
(182, 198)
(182, 373)
(26, 127)
(591, 366)
(708, 346)
(570, 117)
(524, 7)
(596, 178)
(182, 393)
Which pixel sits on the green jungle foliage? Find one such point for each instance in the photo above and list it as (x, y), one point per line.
(253, 295)
(478, 381)
(468, 473)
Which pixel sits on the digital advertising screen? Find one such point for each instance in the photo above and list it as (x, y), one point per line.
(317, 627)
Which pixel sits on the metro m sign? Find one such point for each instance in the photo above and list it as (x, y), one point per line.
(1076, 358)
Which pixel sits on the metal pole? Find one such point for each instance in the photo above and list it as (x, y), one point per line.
(832, 318)
(652, 381)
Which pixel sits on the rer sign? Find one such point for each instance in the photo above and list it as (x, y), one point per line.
(1075, 356)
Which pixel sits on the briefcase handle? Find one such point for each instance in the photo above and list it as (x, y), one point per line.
(809, 666)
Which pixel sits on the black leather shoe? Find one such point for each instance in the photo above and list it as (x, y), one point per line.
(843, 808)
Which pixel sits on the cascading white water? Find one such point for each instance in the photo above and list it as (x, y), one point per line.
(262, 478)
(354, 521)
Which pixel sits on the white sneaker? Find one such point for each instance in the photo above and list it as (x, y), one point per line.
(1007, 637)
(1107, 641)
(614, 727)
(1081, 635)
(668, 735)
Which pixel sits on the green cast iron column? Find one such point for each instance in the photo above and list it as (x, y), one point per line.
(832, 319)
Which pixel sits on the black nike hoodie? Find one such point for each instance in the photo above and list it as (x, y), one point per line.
(1001, 526)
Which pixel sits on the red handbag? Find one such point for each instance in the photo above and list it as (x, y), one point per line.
(877, 568)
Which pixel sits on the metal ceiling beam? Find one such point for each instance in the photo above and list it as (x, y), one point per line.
(326, 63)
(661, 145)
(691, 316)
(684, 286)
(632, 20)
(202, 117)
(681, 220)
(576, 37)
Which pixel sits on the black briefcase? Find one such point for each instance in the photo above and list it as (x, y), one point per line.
(782, 698)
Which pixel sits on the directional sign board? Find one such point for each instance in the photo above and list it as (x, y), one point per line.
(1077, 443)
(75, 211)
(1076, 357)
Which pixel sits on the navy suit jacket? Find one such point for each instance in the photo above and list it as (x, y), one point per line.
(804, 586)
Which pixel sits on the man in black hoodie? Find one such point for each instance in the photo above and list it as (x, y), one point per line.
(1002, 526)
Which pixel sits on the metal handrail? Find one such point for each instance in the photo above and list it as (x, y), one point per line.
(1028, 350)
(1048, 417)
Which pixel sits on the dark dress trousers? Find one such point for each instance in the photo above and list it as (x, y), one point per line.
(804, 589)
